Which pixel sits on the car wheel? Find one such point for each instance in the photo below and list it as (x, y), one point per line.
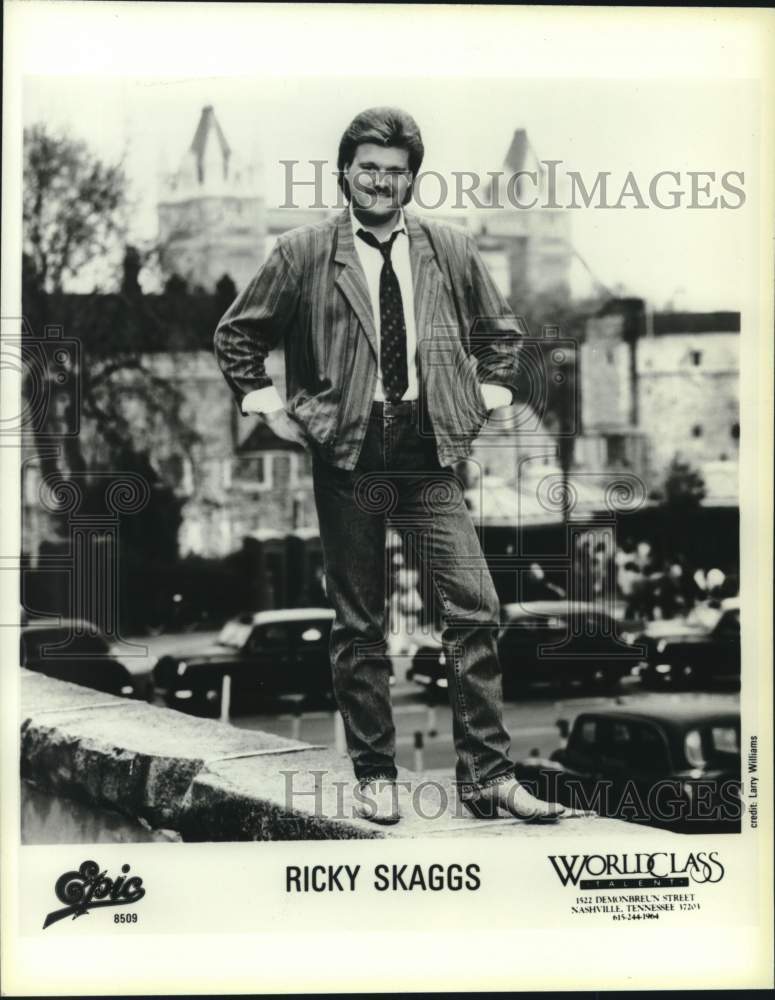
(207, 703)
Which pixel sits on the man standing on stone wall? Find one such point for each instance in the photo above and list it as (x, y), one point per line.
(377, 310)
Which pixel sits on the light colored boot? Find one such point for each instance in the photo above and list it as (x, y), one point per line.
(376, 799)
(516, 800)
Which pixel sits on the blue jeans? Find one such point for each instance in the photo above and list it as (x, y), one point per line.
(398, 481)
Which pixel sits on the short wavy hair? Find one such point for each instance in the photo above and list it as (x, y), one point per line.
(383, 127)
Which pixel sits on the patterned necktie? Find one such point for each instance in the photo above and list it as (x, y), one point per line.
(392, 347)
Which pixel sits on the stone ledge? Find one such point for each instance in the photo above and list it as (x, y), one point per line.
(309, 796)
(128, 755)
(214, 782)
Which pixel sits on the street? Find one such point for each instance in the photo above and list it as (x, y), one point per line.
(532, 722)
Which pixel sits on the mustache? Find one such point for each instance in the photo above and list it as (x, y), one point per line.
(365, 183)
(375, 190)
(369, 199)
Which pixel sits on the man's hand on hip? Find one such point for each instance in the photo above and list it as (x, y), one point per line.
(495, 396)
(268, 404)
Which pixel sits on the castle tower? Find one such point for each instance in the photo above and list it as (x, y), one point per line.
(211, 212)
(525, 243)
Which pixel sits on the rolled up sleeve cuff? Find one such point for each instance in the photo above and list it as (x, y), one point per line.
(265, 400)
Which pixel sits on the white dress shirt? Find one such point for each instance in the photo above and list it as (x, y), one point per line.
(371, 260)
(269, 401)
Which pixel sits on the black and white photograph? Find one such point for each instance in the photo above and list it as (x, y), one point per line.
(386, 471)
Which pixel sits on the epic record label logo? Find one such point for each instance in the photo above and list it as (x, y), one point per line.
(88, 888)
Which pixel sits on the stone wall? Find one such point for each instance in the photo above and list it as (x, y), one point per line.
(210, 781)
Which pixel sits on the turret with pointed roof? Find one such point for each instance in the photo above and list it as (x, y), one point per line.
(524, 241)
(212, 219)
(208, 140)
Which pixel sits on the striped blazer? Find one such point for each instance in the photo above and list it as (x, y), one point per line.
(311, 296)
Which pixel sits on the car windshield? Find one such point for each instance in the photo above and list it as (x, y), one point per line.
(275, 635)
(62, 643)
(638, 745)
(234, 634)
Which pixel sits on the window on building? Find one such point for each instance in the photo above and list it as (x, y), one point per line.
(31, 480)
(301, 468)
(187, 480)
(696, 358)
(734, 430)
(253, 471)
(697, 431)
(616, 449)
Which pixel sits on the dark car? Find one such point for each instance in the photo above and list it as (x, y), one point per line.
(266, 654)
(681, 654)
(75, 650)
(559, 642)
(677, 767)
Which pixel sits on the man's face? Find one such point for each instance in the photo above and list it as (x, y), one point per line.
(379, 178)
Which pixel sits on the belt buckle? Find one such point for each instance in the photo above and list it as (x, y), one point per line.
(394, 409)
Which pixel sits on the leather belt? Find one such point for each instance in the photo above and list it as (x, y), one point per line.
(381, 407)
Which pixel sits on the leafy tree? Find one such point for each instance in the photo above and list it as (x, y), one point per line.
(74, 215)
(684, 487)
(73, 207)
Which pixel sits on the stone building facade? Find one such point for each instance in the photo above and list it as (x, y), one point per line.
(237, 478)
(659, 387)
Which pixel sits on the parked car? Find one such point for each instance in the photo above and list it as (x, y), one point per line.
(551, 642)
(698, 653)
(74, 650)
(266, 654)
(677, 767)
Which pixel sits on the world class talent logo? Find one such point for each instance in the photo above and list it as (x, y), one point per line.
(89, 888)
(660, 869)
